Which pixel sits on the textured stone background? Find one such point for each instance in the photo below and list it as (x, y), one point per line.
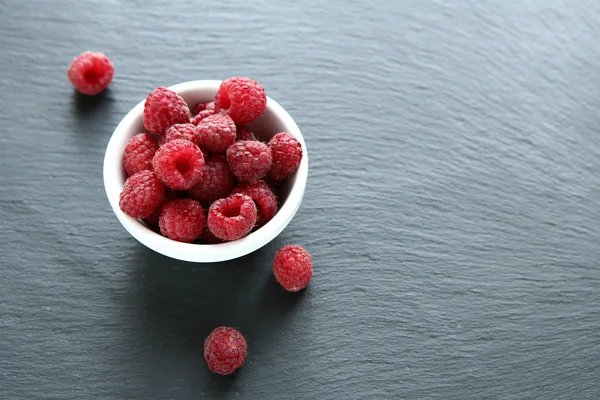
(452, 207)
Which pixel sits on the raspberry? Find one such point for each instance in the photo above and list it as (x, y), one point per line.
(232, 218)
(141, 194)
(225, 350)
(152, 219)
(242, 99)
(182, 220)
(204, 110)
(139, 153)
(261, 193)
(182, 131)
(91, 72)
(216, 183)
(292, 268)
(164, 108)
(249, 160)
(179, 164)
(244, 133)
(216, 132)
(208, 237)
(287, 154)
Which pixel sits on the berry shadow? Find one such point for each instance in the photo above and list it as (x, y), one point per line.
(85, 105)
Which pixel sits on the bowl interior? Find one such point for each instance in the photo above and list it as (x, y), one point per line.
(275, 119)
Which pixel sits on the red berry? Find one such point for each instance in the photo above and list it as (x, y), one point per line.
(152, 219)
(208, 237)
(181, 131)
(204, 110)
(225, 350)
(216, 183)
(182, 220)
(216, 132)
(232, 218)
(91, 72)
(261, 193)
(142, 194)
(249, 160)
(292, 268)
(287, 154)
(242, 99)
(179, 164)
(139, 153)
(164, 108)
(244, 133)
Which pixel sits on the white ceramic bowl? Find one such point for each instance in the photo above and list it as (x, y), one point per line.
(275, 119)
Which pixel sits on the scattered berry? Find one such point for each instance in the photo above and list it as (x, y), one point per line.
(164, 108)
(244, 133)
(217, 181)
(179, 164)
(216, 132)
(91, 72)
(261, 193)
(204, 110)
(232, 218)
(249, 160)
(225, 350)
(242, 99)
(182, 220)
(182, 131)
(292, 268)
(139, 153)
(287, 154)
(142, 194)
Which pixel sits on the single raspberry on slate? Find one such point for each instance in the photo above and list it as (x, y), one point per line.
(204, 110)
(142, 194)
(139, 153)
(232, 218)
(249, 160)
(182, 220)
(164, 108)
(217, 181)
(91, 72)
(181, 131)
(179, 164)
(216, 132)
(263, 196)
(244, 133)
(243, 99)
(292, 268)
(225, 350)
(287, 154)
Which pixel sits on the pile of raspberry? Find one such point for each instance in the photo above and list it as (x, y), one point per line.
(206, 178)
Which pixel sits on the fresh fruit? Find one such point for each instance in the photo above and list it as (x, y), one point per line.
(261, 193)
(292, 268)
(287, 154)
(139, 153)
(216, 133)
(182, 220)
(181, 131)
(232, 218)
(163, 108)
(141, 194)
(243, 99)
(91, 72)
(249, 160)
(225, 350)
(179, 164)
(217, 181)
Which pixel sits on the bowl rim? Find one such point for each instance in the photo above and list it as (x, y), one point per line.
(200, 253)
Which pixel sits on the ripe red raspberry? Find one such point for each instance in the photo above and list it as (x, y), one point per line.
(179, 164)
(287, 154)
(249, 160)
(217, 181)
(216, 132)
(292, 268)
(204, 110)
(139, 153)
(182, 220)
(152, 219)
(225, 350)
(242, 99)
(232, 218)
(164, 108)
(181, 131)
(141, 194)
(244, 133)
(261, 193)
(91, 72)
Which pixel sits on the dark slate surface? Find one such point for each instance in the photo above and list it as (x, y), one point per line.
(452, 207)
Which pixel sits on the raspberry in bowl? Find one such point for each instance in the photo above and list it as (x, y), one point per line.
(204, 179)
